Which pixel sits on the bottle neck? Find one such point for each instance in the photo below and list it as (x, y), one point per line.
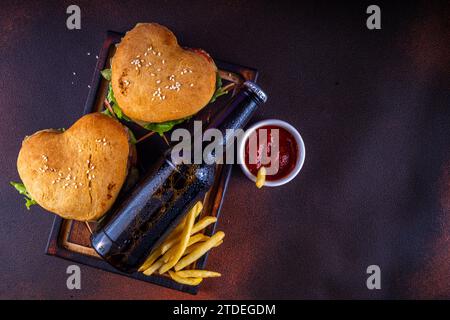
(237, 113)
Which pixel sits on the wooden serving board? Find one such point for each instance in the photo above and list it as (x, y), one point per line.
(71, 239)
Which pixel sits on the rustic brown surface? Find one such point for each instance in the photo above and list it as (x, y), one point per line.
(373, 109)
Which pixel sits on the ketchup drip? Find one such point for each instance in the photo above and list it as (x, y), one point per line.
(287, 153)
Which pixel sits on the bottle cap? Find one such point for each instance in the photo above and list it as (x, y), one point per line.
(253, 87)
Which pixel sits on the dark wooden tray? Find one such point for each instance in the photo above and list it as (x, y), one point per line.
(70, 239)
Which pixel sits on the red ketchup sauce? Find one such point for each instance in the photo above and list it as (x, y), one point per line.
(287, 153)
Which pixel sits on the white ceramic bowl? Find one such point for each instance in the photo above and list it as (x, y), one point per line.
(300, 150)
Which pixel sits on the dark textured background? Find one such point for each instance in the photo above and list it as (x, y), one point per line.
(373, 108)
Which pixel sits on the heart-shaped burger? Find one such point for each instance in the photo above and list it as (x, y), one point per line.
(155, 80)
(77, 173)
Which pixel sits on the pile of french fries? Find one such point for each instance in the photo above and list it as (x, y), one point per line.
(185, 245)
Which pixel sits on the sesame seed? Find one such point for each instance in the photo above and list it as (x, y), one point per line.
(159, 69)
(70, 169)
(164, 61)
(88, 53)
(191, 85)
(105, 143)
(152, 74)
(74, 73)
(89, 86)
(96, 57)
(159, 54)
(158, 81)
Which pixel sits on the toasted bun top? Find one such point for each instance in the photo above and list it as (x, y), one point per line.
(77, 173)
(155, 80)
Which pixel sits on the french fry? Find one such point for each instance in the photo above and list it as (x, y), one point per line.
(197, 208)
(261, 177)
(192, 240)
(182, 244)
(155, 266)
(156, 253)
(195, 246)
(171, 240)
(188, 281)
(202, 224)
(197, 274)
(200, 251)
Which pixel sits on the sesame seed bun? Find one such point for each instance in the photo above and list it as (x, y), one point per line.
(77, 173)
(156, 80)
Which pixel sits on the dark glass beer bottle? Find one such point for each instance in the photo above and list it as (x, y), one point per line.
(159, 202)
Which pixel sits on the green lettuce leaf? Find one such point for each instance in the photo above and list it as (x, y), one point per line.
(132, 137)
(20, 187)
(114, 105)
(106, 74)
(219, 89)
(162, 127)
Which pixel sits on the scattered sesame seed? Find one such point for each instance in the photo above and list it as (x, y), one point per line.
(74, 73)
(96, 57)
(158, 81)
(88, 53)
(89, 86)
(191, 85)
